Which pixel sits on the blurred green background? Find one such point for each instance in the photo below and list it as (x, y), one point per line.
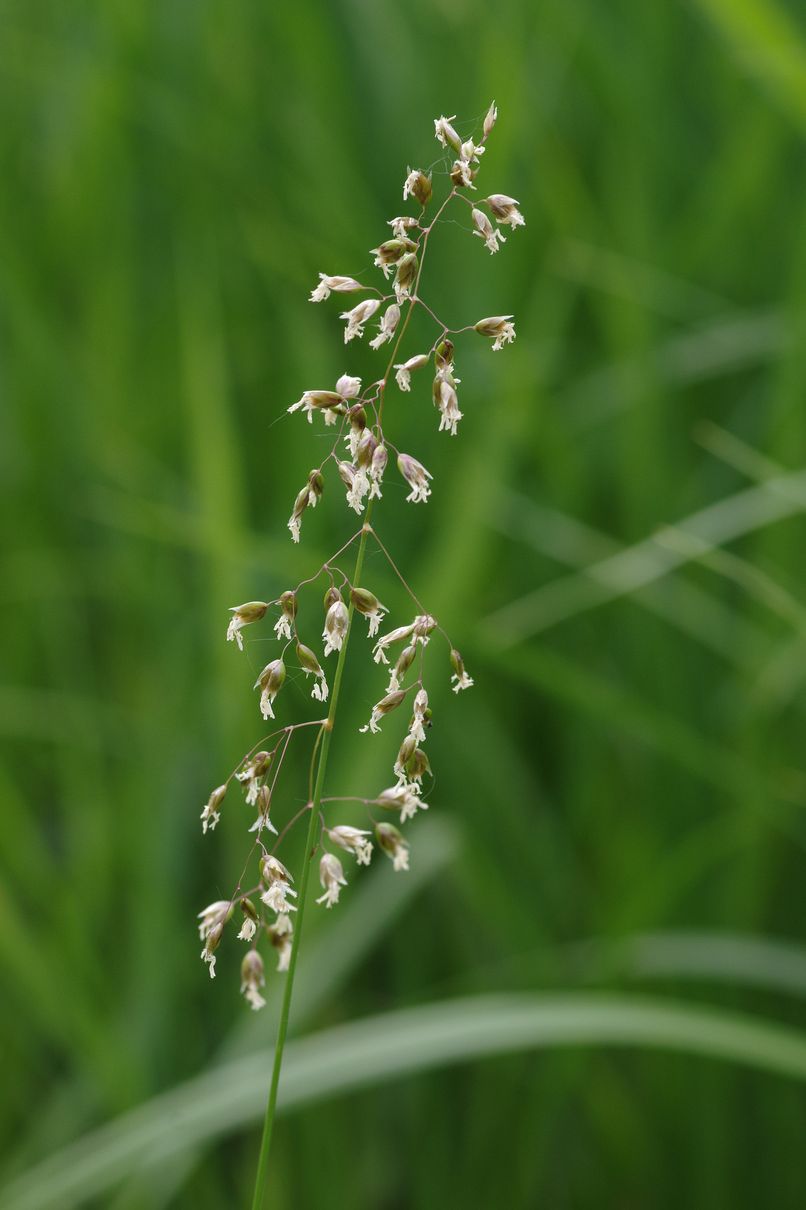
(610, 881)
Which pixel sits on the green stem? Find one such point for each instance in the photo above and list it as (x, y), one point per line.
(327, 731)
(310, 843)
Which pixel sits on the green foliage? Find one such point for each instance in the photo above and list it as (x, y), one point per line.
(614, 541)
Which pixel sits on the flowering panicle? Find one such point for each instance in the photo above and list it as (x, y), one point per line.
(351, 417)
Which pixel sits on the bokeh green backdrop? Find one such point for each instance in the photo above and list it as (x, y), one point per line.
(615, 540)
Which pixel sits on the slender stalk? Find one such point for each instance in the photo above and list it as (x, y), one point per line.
(316, 800)
(327, 731)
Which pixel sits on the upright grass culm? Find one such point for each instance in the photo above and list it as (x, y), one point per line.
(356, 414)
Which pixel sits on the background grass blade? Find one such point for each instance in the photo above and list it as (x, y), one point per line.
(387, 1047)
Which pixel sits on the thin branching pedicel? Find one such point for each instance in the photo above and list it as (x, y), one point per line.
(359, 455)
